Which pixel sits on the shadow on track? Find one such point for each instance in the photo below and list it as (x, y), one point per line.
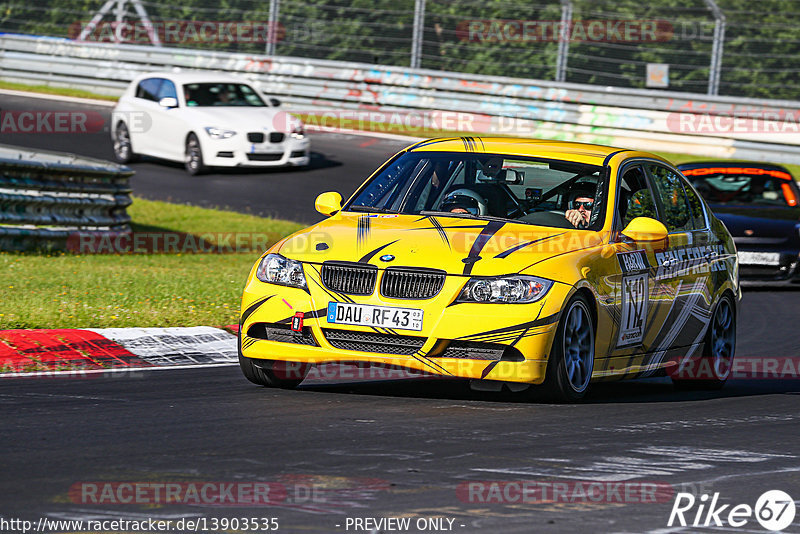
(318, 161)
(651, 390)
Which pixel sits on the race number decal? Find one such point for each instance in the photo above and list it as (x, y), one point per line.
(634, 261)
(635, 294)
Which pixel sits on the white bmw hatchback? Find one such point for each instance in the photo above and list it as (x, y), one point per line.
(205, 120)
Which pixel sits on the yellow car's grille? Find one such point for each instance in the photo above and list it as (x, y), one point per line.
(349, 278)
(405, 283)
(377, 343)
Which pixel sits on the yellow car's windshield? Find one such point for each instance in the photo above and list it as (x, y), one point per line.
(490, 186)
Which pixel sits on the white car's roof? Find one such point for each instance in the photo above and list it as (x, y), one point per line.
(193, 77)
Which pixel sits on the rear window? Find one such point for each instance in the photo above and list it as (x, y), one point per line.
(723, 188)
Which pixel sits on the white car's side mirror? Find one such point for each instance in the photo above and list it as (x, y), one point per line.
(168, 102)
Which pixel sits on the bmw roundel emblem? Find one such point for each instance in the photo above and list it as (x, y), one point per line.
(387, 257)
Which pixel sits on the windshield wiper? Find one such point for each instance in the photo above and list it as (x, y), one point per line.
(370, 209)
(466, 215)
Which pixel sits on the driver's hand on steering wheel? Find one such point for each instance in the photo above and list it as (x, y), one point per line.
(578, 219)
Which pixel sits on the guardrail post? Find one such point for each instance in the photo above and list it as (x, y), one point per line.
(563, 40)
(715, 70)
(272, 31)
(417, 36)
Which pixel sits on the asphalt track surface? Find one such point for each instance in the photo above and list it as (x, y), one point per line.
(398, 448)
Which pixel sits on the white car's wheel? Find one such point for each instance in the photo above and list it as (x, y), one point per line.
(123, 149)
(194, 156)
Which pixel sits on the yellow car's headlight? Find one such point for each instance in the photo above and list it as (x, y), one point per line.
(275, 269)
(516, 289)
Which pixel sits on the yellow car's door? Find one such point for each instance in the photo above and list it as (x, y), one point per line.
(642, 299)
(687, 262)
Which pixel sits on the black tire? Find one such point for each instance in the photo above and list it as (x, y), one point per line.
(263, 372)
(123, 149)
(193, 156)
(569, 367)
(718, 352)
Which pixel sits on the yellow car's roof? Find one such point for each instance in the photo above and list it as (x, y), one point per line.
(518, 146)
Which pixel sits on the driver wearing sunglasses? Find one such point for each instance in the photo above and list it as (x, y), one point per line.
(580, 210)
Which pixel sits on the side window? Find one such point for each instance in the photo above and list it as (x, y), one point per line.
(635, 199)
(695, 206)
(676, 215)
(148, 89)
(167, 89)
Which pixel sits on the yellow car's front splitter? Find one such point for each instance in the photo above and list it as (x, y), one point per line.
(528, 371)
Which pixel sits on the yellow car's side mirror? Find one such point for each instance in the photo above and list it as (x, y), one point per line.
(645, 229)
(328, 203)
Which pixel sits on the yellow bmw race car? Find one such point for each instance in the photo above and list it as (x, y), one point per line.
(517, 261)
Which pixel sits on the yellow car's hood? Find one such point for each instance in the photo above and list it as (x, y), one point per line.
(461, 246)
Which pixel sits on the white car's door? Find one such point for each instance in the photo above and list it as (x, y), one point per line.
(169, 128)
(141, 109)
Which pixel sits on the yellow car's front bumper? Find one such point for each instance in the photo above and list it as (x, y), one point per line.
(525, 330)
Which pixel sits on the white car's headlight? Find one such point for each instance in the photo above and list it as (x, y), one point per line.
(275, 269)
(518, 289)
(299, 131)
(219, 133)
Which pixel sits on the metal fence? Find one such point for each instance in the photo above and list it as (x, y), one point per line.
(46, 199)
(726, 47)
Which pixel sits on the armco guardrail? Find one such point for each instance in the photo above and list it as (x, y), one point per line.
(46, 198)
(646, 119)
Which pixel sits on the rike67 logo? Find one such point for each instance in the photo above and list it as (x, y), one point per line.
(774, 510)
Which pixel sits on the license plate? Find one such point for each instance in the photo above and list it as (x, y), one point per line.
(759, 258)
(379, 316)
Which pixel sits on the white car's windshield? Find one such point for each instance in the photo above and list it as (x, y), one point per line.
(221, 94)
(515, 188)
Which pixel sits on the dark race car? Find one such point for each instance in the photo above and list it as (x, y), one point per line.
(760, 205)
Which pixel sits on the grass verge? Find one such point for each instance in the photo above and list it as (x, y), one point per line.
(126, 290)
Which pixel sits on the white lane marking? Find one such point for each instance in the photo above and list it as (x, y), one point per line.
(62, 396)
(121, 370)
(704, 423)
(738, 475)
(713, 454)
(640, 462)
